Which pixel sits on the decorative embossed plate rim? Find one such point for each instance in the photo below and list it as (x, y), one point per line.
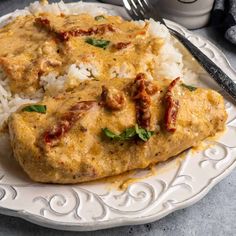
(91, 207)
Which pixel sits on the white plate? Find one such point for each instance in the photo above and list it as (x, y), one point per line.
(93, 206)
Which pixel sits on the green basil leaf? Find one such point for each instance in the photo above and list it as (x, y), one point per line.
(143, 134)
(100, 17)
(129, 134)
(109, 133)
(35, 108)
(98, 42)
(189, 87)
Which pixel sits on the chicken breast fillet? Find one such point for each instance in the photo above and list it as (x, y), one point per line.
(77, 139)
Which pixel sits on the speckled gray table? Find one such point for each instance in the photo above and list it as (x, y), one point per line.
(213, 215)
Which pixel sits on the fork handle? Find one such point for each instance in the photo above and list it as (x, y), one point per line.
(223, 80)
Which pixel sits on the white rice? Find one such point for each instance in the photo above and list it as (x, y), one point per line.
(169, 63)
(125, 70)
(9, 103)
(52, 83)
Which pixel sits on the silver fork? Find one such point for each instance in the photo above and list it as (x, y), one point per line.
(143, 9)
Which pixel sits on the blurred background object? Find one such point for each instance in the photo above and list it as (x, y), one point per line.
(195, 14)
(192, 14)
(223, 18)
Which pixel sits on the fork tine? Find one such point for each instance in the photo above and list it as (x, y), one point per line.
(143, 10)
(154, 12)
(150, 11)
(147, 5)
(129, 8)
(144, 5)
(126, 5)
(139, 8)
(135, 10)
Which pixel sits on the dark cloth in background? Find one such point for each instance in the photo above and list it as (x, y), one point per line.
(224, 16)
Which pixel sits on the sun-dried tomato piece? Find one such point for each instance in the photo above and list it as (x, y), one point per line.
(172, 107)
(142, 101)
(43, 22)
(112, 99)
(121, 45)
(65, 35)
(53, 135)
(99, 29)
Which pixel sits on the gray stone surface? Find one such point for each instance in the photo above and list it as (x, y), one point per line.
(213, 215)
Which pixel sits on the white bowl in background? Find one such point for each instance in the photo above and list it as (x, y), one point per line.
(192, 14)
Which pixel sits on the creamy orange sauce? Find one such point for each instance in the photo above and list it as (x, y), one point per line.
(29, 50)
(208, 142)
(32, 46)
(81, 156)
(123, 181)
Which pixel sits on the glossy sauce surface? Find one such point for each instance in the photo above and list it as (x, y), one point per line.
(29, 49)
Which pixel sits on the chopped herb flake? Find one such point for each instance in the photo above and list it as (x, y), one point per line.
(98, 42)
(129, 133)
(189, 87)
(35, 108)
(100, 17)
(109, 133)
(143, 133)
